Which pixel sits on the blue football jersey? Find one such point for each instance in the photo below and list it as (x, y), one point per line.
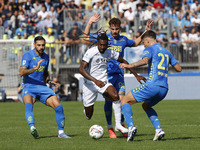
(118, 45)
(159, 60)
(30, 60)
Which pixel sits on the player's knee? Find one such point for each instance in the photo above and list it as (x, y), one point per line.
(145, 106)
(115, 97)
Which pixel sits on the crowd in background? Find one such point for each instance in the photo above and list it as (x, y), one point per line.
(25, 19)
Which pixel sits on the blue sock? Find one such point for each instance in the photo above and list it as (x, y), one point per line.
(151, 113)
(122, 118)
(108, 112)
(60, 118)
(128, 114)
(29, 114)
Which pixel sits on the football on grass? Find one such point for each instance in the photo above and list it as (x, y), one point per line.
(96, 131)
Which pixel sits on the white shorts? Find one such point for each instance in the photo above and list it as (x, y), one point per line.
(90, 92)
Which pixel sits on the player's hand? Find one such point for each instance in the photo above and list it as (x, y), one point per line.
(149, 24)
(94, 18)
(99, 83)
(123, 65)
(139, 78)
(38, 64)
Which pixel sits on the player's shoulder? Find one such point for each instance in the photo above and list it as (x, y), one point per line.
(93, 50)
(28, 53)
(45, 56)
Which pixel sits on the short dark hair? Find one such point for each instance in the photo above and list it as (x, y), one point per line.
(149, 34)
(39, 38)
(115, 21)
(102, 36)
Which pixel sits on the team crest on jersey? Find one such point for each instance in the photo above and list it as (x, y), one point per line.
(24, 62)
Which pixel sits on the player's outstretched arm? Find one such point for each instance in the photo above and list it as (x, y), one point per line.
(93, 19)
(125, 63)
(148, 27)
(84, 73)
(24, 71)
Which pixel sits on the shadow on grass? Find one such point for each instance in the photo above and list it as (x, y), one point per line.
(52, 136)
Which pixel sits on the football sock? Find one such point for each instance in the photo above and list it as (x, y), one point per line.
(117, 112)
(60, 131)
(60, 118)
(122, 119)
(128, 114)
(108, 112)
(29, 114)
(151, 113)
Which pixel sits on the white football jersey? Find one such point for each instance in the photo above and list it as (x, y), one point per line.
(97, 62)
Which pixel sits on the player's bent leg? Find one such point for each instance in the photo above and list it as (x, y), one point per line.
(29, 101)
(152, 115)
(127, 112)
(60, 118)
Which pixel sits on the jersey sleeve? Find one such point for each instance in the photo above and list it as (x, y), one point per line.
(147, 53)
(25, 60)
(114, 55)
(173, 61)
(129, 42)
(88, 55)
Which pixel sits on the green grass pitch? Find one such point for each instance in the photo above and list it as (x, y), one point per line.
(180, 120)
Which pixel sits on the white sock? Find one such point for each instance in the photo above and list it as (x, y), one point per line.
(158, 130)
(32, 127)
(60, 131)
(117, 112)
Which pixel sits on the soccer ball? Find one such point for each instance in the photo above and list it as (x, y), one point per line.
(96, 131)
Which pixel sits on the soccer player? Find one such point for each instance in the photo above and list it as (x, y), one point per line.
(156, 86)
(34, 72)
(94, 70)
(115, 73)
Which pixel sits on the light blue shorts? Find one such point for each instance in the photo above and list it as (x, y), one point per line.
(40, 92)
(150, 93)
(117, 80)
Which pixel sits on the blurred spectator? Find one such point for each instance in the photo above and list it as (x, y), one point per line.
(177, 5)
(106, 8)
(140, 13)
(21, 17)
(160, 18)
(186, 48)
(54, 15)
(60, 10)
(129, 17)
(148, 13)
(48, 23)
(187, 24)
(193, 37)
(48, 4)
(157, 4)
(43, 13)
(175, 44)
(122, 8)
(88, 14)
(195, 20)
(18, 36)
(3, 93)
(194, 6)
(178, 23)
(142, 4)
(64, 50)
(27, 7)
(166, 6)
(7, 12)
(74, 39)
(32, 36)
(37, 6)
(40, 33)
(22, 31)
(132, 4)
(159, 36)
(14, 21)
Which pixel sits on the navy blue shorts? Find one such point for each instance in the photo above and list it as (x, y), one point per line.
(117, 80)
